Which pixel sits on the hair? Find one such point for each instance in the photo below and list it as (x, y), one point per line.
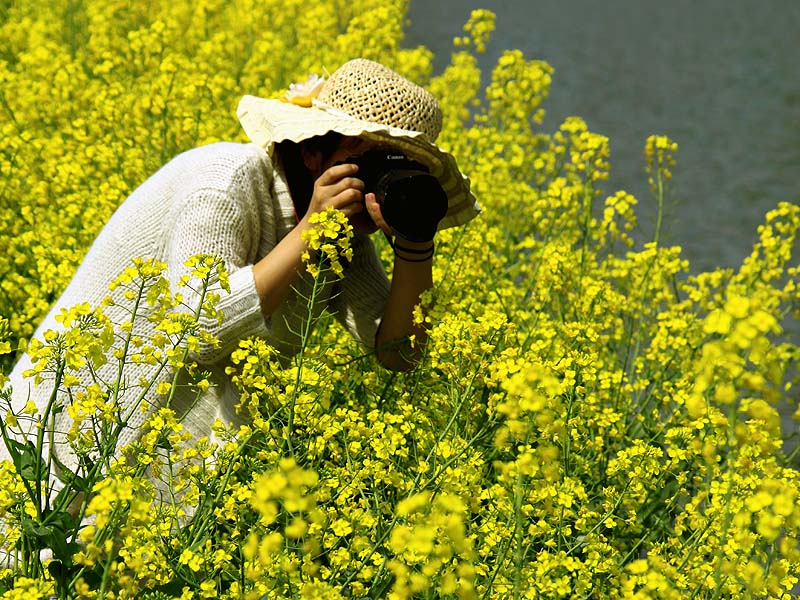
(298, 177)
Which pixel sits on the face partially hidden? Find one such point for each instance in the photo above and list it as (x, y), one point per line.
(348, 147)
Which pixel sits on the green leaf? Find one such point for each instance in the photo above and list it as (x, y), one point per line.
(171, 589)
(25, 457)
(71, 480)
(163, 442)
(61, 520)
(36, 532)
(53, 533)
(62, 549)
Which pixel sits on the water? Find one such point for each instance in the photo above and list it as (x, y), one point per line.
(720, 77)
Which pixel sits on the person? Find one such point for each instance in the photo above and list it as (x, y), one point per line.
(249, 204)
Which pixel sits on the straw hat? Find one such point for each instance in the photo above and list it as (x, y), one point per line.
(365, 99)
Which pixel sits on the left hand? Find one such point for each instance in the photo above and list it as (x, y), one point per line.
(374, 212)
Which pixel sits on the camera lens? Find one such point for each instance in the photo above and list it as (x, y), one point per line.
(412, 202)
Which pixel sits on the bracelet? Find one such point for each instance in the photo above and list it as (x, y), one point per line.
(422, 255)
(415, 260)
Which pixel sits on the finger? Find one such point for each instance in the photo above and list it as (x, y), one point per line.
(373, 208)
(326, 197)
(353, 209)
(337, 194)
(337, 172)
(347, 197)
(374, 211)
(344, 184)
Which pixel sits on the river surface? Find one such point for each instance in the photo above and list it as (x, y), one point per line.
(720, 77)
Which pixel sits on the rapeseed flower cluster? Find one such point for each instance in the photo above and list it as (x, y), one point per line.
(590, 419)
(328, 240)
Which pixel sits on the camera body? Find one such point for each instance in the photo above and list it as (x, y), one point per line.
(412, 200)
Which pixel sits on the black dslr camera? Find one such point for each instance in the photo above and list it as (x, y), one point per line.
(412, 200)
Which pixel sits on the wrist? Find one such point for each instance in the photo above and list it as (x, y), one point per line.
(413, 251)
(403, 243)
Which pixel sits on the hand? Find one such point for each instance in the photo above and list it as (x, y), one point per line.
(374, 212)
(337, 188)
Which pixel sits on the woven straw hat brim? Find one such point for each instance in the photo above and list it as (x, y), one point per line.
(268, 122)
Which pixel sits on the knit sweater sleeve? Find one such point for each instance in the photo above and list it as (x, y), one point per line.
(223, 224)
(360, 299)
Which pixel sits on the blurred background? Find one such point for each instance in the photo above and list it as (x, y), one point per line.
(720, 77)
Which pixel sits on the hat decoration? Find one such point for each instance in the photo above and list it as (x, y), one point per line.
(304, 92)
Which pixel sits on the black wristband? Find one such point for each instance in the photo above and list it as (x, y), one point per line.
(418, 260)
(419, 255)
(413, 250)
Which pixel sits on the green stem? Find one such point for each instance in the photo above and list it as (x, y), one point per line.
(518, 537)
(40, 441)
(728, 516)
(588, 192)
(104, 582)
(197, 535)
(304, 338)
(185, 354)
(660, 202)
(127, 343)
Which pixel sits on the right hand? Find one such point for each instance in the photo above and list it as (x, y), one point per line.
(337, 188)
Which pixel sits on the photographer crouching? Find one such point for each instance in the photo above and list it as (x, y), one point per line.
(361, 142)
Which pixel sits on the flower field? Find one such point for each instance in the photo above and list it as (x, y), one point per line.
(590, 420)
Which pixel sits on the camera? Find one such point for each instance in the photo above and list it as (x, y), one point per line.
(412, 200)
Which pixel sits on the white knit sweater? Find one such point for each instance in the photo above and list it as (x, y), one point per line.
(229, 200)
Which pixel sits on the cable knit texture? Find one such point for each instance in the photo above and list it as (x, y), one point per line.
(232, 201)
